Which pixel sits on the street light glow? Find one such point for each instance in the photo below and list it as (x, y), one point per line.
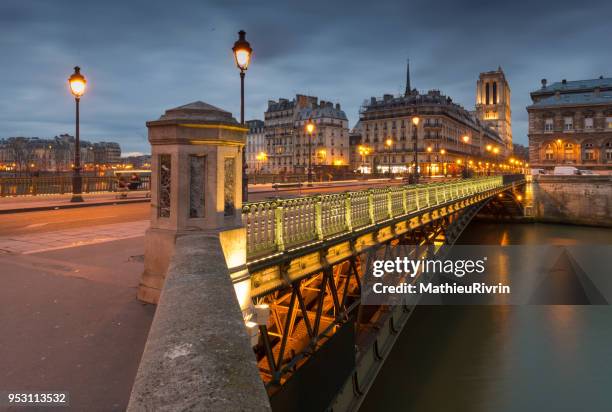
(415, 120)
(77, 83)
(466, 138)
(310, 127)
(242, 51)
(389, 142)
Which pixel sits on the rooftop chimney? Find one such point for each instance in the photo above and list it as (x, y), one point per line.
(543, 83)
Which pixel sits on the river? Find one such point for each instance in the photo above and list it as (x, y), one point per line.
(502, 358)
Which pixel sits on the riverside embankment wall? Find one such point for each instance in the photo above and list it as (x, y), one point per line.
(581, 200)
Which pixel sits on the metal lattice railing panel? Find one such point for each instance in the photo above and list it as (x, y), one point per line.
(299, 220)
(360, 212)
(333, 214)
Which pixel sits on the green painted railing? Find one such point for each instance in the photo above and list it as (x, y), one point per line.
(276, 225)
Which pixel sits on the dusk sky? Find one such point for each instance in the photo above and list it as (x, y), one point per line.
(144, 56)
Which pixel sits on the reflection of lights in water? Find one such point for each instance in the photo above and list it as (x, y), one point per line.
(564, 329)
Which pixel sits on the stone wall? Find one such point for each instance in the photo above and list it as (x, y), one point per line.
(581, 200)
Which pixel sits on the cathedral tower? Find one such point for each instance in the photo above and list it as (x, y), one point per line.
(493, 104)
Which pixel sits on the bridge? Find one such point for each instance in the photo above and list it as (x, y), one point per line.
(306, 259)
(260, 304)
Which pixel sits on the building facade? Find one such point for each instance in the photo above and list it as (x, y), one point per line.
(256, 147)
(570, 123)
(493, 104)
(448, 138)
(26, 154)
(287, 141)
(106, 153)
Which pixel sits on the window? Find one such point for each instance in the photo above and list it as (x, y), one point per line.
(588, 122)
(609, 122)
(568, 151)
(589, 154)
(548, 124)
(568, 123)
(487, 93)
(494, 92)
(549, 153)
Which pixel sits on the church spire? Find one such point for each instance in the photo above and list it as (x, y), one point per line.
(408, 88)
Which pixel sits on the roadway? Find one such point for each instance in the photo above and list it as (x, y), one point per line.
(62, 219)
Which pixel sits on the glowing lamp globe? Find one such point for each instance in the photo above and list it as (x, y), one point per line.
(77, 83)
(242, 51)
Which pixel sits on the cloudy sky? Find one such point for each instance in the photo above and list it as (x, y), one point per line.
(144, 56)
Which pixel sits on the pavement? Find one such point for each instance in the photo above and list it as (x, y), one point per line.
(48, 202)
(69, 318)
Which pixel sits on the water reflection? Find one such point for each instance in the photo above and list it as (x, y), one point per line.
(501, 358)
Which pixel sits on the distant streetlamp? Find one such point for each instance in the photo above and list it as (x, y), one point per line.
(389, 144)
(443, 159)
(242, 54)
(363, 151)
(429, 149)
(415, 124)
(77, 84)
(466, 140)
(310, 128)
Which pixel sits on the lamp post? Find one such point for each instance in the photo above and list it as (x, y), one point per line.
(389, 144)
(559, 147)
(442, 153)
(310, 128)
(415, 124)
(77, 84)
(363, 151)
(429, 149)
(466, 140)
(242, 55)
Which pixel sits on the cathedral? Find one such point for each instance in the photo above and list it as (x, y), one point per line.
(493, 104)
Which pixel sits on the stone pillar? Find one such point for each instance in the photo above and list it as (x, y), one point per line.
(196, 183)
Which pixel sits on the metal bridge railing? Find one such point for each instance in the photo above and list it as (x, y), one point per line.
(277, 225)
(44, 185)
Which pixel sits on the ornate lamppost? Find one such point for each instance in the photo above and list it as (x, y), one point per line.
(242, 54)
(77, 84)
(389, 144)
(310, 128)
(415, 124)
(429, 149)
(466, 140)
(443, 159)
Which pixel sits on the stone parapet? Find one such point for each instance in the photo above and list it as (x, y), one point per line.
(198, 354)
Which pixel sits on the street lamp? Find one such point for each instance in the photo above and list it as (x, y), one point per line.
(429, 149)
(389, 143)
(443, 152)
(363, 151)
(415, 124)
(242, 54)
(310, 128)
(77, 84)
(466, 140)
(559, 147)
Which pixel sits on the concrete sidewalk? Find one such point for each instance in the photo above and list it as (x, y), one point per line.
(69, 238)
(49, 202)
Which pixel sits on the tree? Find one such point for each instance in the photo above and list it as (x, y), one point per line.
(22, 152)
